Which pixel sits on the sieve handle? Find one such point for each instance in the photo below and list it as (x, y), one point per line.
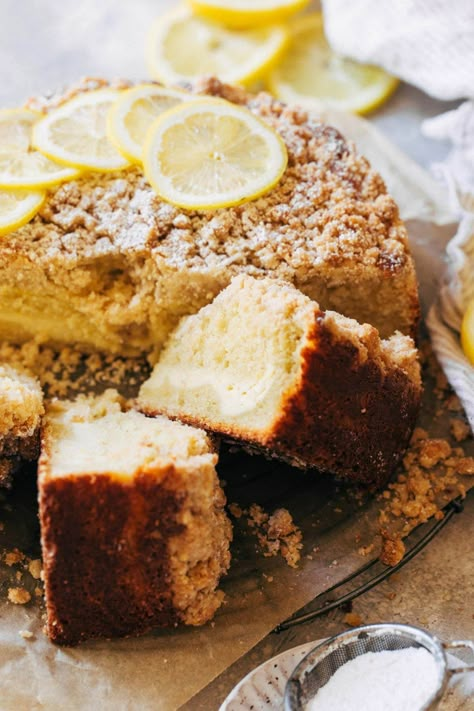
(460, 644)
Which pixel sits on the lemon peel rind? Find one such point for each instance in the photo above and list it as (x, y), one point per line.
(244, 19)
(37, 201)
(30, 182)
(467, 333)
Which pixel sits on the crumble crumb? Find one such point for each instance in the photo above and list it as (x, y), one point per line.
(18, 596)
(35, 568)
(459, 429)
(465, 466)
(276, 533)
(235, 510)
(418, 434)
(432, 451)
(26, 634)
(366, 550)
(13, 557)
(353, 619)
(393, 549)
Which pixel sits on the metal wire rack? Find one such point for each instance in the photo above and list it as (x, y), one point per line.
(326, 603)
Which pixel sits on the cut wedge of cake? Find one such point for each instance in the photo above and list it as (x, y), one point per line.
(107, 265)
(133, 528)
(21, 408)
(264, 365)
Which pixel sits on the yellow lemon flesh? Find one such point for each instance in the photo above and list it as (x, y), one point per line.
(20, 165)
(210, 153)
(75, 133)
(312, 75)
(132, 114)
(182, 47)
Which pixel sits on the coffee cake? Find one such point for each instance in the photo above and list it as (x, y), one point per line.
(266, 366)
(107, 265)
(133, 528)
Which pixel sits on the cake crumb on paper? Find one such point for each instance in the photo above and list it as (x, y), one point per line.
(18, 596)
(276, 533)
(353, 619)
(13, 557)
(35, 568)
(393, 549)
(459, 429)
(26, 634)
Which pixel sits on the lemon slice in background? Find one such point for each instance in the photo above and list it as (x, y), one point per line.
(210, 153)
(75, 133)
(17, 207)
(20, 165)
(247, 13)
(133, 113)
(467, 333)
(312, 75)
(182, 46)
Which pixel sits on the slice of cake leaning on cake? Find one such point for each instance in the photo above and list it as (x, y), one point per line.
(108, 265)
(21, 408)
(264, 365)
(133, 528)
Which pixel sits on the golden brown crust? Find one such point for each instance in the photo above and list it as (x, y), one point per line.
(346, 417)
(105, 563)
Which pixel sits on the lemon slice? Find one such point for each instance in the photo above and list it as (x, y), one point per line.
(17, 207)
(20, 165)
(210, 153)
(247, 13)
(133, 113)
(75, 133)
(312, 75)
(467, 333)
(182, 46)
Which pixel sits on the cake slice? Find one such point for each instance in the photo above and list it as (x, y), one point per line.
(264, 365)
(108, 265)
(133, 528)
(21, 408)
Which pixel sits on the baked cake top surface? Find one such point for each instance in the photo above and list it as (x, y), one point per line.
(94, 435)
(329, 207)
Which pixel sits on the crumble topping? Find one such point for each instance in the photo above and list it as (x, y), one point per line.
(431, 473)
(276, 532)
(330, 207)
(18, 596)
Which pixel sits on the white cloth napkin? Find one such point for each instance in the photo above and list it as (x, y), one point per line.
(457, 289)
(428, 43)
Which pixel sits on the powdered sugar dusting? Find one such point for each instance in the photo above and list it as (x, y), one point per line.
(329, 207)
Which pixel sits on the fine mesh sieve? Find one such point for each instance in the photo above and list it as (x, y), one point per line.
(315, 670)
